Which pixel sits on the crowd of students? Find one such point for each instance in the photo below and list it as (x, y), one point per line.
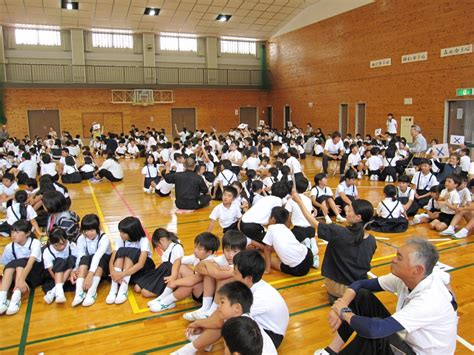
(270, 216)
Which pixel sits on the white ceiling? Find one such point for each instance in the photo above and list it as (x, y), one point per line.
(250, 18)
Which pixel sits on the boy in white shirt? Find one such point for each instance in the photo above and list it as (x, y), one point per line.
(374, 164)
(465, 199)
(354, 161)
(183, 282)
(449, 201)
(302, 230)
(464, 161)
(292, 257)
(227, 212)
(252, 162)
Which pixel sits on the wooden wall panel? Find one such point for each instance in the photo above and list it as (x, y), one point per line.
(214, 107)
(327, 63)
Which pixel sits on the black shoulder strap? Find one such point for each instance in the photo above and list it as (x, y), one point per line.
(171, 252)
(16, 216)
(390, 211)
(49, 249)
(13, 250)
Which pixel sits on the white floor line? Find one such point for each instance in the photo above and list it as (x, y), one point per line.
(372, 275)
(465, 343)
(439, 239)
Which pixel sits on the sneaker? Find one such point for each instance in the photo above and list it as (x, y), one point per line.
(89, 300)
(160, 307)
(321, 352)
(196, 315)
(328, 219)
(389, 178)
(13, 308)
(146, 190)
(463, 233)
(60, 299)
(49, 297)
(78, 299)
(156, 300)
(448, 231)
(111, 298)
(193, 337)
(415, 220)
(4, 306)
(121, 298)
(340, 219)
(316, 261)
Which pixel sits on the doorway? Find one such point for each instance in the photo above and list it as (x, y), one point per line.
(248, 115)
(39, 122)
(110, 121)
(343, 119)
(460, 120)
(184, 118)
(360, 119)
(270, 116)
(286, 116)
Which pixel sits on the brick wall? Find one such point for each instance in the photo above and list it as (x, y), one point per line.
(214, 107)
(327, 63)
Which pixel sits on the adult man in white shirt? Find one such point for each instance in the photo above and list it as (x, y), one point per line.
(334, 150)
(425, 313)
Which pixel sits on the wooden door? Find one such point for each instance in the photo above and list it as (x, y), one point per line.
(39, 122)
(184, 118)
(87, 119)
(113, 122)
(343, 119)
(248, 115)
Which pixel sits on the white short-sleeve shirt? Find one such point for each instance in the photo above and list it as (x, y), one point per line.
(353, 159)
(289, 250)
(424, 182)
(321, 191)
(332, 148)
(50, 254)
(260, 212)
(297, 217)
(226, 216)
(28, 167)
(452, 197)
(13, 213)
(150, 171)
(274, 315)
(142, 244)
(390, 209)
(348, 190)
(32, 247)
(173, 252)
(426, 313)
(293, 164)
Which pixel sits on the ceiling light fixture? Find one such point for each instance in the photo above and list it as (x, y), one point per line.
(151, 11)
(69, 5)
(223, 18)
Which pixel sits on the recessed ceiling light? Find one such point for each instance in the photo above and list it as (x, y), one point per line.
(69, 5)
(223, 18)
(151, 11)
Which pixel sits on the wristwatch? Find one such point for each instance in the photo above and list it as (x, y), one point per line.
(344, 310)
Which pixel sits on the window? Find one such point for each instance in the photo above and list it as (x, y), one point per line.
(235, 45)
(35, 36)
(178, 42)
(112, 40)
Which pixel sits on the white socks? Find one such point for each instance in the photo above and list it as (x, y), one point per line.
(166, 292)
(206, 303)
(79, 286)
(113, 284)
(313, 246)
(59, 290)
(3, 296)
(95, 283)
(188, 349)
(213, 308)
(168, 299)
(16, 296)
(124, 285)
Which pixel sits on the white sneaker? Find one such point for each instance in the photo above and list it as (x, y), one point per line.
(49, 297)
(360, 175)
(146, 190)
(61, 299)
(463, 233)
(340, 219)
(196, 315)
(321, 352)
(415, 220)
(13, 308)
(316, 261)
(328, 219)
(156, 300)
(121, 298)
(193, 337)
(448, 231)
(78, 299)
(111, 298)
(89, 300)
(160, 307)
(4, 306)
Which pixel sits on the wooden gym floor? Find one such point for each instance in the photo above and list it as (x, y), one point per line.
(131, 328)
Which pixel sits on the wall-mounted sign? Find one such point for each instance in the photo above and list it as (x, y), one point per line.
(465, 49)
(414, 57)
(381, 63)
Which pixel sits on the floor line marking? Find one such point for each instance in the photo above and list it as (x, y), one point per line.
(465, 343)
(26, 323)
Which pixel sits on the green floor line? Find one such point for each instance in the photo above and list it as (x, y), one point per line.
(26, 323)
(184, 310)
